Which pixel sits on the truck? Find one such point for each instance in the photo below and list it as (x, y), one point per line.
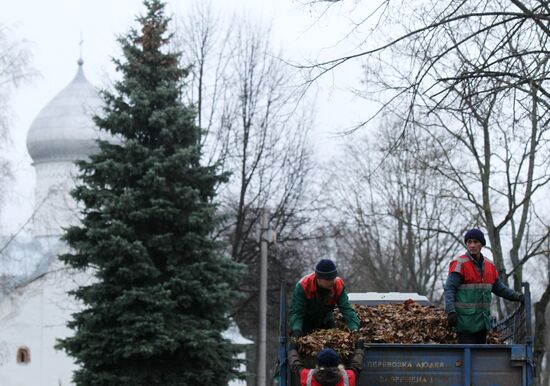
(394, 364)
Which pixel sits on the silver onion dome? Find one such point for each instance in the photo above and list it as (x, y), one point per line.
(64, 129)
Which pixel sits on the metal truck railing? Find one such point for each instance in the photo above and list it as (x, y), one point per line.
(516, 328)
(282, 372)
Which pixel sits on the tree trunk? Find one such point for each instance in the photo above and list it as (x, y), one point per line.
(540, 331)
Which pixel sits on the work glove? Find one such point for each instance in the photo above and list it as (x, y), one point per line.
(296, 333)
(360, 344)
(452, 319)
(521, 298)
(292, 346)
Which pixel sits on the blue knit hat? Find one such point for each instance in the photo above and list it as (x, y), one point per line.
(475, 234)
(327, 357)
(326, 269)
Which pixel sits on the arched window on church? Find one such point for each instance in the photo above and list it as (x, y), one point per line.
(23, 355)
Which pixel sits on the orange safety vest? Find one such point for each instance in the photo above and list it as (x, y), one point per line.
(307, 379)
(473, 297)
(470, 274)
(309, 284)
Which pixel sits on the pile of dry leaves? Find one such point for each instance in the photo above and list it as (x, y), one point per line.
(339, 340)
(408, 322)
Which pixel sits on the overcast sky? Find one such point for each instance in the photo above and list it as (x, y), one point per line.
(53, 30)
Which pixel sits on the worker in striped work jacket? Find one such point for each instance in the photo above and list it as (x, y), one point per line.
(472, 278)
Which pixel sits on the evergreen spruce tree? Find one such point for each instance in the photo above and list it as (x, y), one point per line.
(162, 291)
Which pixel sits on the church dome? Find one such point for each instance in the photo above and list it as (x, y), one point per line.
(64, 129)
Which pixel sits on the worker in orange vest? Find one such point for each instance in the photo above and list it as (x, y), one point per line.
(472, 278)
(314, 298)
(327, 371)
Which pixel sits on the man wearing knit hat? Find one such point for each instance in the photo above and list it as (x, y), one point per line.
(327, 371)
(314, 299)
(472, 278)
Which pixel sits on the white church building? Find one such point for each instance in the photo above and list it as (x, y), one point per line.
(34, 304)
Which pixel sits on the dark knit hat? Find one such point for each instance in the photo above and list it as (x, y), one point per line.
(326, 269)
(475, 234)
(327, 357)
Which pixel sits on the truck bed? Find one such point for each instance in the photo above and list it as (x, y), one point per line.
(444, 365)
(394, 364)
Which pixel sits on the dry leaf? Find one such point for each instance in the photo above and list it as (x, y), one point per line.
(408, 322)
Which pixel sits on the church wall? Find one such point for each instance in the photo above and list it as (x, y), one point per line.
(59, 307)
(35, 317)
(21, 325)
(54, 207)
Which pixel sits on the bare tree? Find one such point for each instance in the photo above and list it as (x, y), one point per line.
(256, 127)
(476, 71)
(427, 21)
(249, 108)
(541, 346)
(15, 68)
(270, 161)
(393, 221)
(497, 123)
(204, 40)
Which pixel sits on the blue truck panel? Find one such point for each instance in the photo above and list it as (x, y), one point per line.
(509, 364)
(444, 365)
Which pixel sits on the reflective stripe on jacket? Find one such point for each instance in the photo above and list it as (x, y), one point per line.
(473, 297)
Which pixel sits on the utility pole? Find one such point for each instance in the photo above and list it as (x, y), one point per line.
(547, 342)
(266, 236)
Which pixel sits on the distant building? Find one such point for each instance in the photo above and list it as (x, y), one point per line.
(34, 304)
